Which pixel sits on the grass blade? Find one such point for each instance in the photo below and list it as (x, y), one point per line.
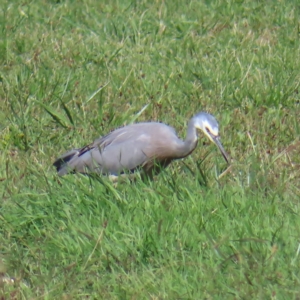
(57, 117)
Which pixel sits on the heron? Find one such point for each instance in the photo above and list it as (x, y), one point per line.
(148, 146)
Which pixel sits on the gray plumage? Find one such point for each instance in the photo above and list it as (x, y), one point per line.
(148, 146)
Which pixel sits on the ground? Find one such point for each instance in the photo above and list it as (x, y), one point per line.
(72, 71)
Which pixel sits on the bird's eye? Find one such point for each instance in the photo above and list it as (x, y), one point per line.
(207, 129)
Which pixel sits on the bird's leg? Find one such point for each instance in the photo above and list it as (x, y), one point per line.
(122, 178)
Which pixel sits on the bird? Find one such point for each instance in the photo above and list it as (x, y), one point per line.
(147, 146)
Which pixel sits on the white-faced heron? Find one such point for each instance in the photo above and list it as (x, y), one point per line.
(147, 146)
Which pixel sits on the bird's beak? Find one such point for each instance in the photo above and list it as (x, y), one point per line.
(216, 140)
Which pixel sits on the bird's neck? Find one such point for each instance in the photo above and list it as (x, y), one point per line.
(190, 142)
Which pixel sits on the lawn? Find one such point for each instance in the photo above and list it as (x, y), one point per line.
(71, 71)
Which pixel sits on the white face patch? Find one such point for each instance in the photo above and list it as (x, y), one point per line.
(208, 129)
(207, 124)
(214, 131)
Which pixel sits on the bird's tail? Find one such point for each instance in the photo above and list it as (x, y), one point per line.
(62, 164)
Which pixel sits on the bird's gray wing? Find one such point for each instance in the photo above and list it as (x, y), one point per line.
(122, 150)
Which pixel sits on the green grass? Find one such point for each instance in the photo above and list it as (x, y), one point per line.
(74, 70)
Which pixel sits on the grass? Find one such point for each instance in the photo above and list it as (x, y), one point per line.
(74, 70)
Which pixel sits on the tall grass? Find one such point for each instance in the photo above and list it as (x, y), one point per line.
(73, 71)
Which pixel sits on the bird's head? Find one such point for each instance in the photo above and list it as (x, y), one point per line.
(209, 125)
